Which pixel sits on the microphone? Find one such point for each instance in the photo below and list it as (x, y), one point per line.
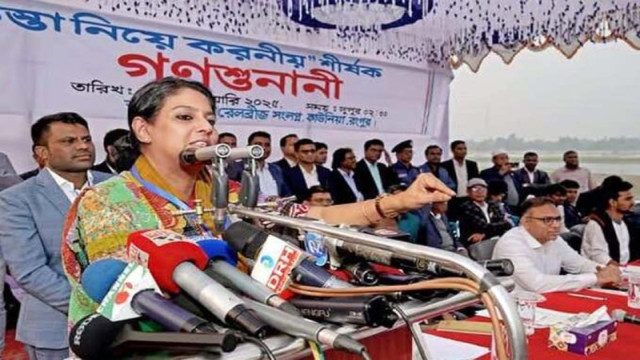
(277, 262)
(127, 299)
(370, 311)
(339, 248)
(176, 263)
(96, 337)
(622, 316)
(224, 271)
(306, 329)
(221, 151)
(362, 272)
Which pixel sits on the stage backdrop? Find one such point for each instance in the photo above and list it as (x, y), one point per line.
(59, 58)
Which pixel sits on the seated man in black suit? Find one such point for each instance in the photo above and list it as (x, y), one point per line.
(572, 216)
(341, 182)
(479, 219)
(306, 174)
(287, 148)
(109, 164)
(373, 178)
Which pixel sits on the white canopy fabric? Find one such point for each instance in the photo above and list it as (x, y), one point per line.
(449, 32)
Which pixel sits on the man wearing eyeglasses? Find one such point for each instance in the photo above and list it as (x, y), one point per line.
(479, 219)
(606, 238)
(538, 254)
(318, 196)
(306, 174)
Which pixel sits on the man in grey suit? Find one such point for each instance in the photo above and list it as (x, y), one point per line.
(8, 178)
(5, 165)
(31, 224)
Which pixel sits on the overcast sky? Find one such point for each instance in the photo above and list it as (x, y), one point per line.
(542, 95)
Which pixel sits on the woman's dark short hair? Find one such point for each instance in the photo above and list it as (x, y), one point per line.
(149, 99)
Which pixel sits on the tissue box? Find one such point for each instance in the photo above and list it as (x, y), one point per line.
(585, 340)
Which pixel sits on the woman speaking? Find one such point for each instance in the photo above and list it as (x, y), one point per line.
(166, 117)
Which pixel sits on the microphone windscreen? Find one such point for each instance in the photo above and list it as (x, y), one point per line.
(91, 337)
(99, 276)
(162, 251)
(244, 238)
(218, 249)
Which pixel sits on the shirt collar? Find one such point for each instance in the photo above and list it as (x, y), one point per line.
(291, 163)
(531, 241)
(62, 182)
(344, 173)
(313, 170)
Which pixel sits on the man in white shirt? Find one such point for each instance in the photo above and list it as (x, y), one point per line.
(538, 254)
(306, 174)
(460, 169)
(606, 238)
(270, 176)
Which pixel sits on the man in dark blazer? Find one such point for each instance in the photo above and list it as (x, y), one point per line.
(271, 182)
(287, 147)
(109, 164)
(33, 214)
(458, 164)
(436, 232)
(306, 174)
(373, 178)
(342, 185)
(480, 220)
(533, 180)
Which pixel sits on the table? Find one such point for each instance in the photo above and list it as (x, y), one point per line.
(626, 346)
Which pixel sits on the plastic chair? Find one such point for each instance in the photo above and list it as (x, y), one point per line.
(483, 250)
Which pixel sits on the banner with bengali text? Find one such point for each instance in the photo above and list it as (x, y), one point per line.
(59, 58)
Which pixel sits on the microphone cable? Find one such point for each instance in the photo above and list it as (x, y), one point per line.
(263, 347)
(414, 334)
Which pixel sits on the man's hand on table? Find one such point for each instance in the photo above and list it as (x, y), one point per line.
(609, 274)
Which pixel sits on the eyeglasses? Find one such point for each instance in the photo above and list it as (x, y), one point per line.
(478, 188)
(548, 220)
(322, 202)
(307, 151)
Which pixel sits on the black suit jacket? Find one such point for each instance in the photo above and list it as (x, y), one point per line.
(102, 167)
(295, 180)
(283, 164)
(472, 169)
(29, 174)
(366, 184)
(341, 193)
(472, 221)
(540, 181)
